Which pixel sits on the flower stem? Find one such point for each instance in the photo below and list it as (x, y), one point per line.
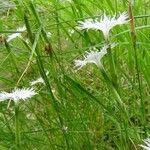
(121, 105)
(112, 66)
(114, 91)
(17, 131)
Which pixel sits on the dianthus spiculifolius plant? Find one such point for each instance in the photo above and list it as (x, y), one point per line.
(104, 24)
(93, 56)
(18, 94)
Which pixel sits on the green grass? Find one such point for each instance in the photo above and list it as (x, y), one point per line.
(73, 109)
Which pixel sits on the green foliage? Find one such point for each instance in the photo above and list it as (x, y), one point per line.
(74, 109)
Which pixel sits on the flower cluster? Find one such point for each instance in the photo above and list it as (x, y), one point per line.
(105, 24)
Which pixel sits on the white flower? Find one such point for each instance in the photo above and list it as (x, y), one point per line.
(17, 34)
(92, 57)
(147, 144)
(18, 94)
(39, 80)
(105, 24)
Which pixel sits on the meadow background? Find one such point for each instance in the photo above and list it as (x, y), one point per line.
(74, 109)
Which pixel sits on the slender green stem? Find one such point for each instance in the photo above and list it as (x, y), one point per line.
(17, 128)
(112, 66)
(114, 91)
(121, 105)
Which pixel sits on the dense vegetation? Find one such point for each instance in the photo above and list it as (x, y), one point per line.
(102, 107)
